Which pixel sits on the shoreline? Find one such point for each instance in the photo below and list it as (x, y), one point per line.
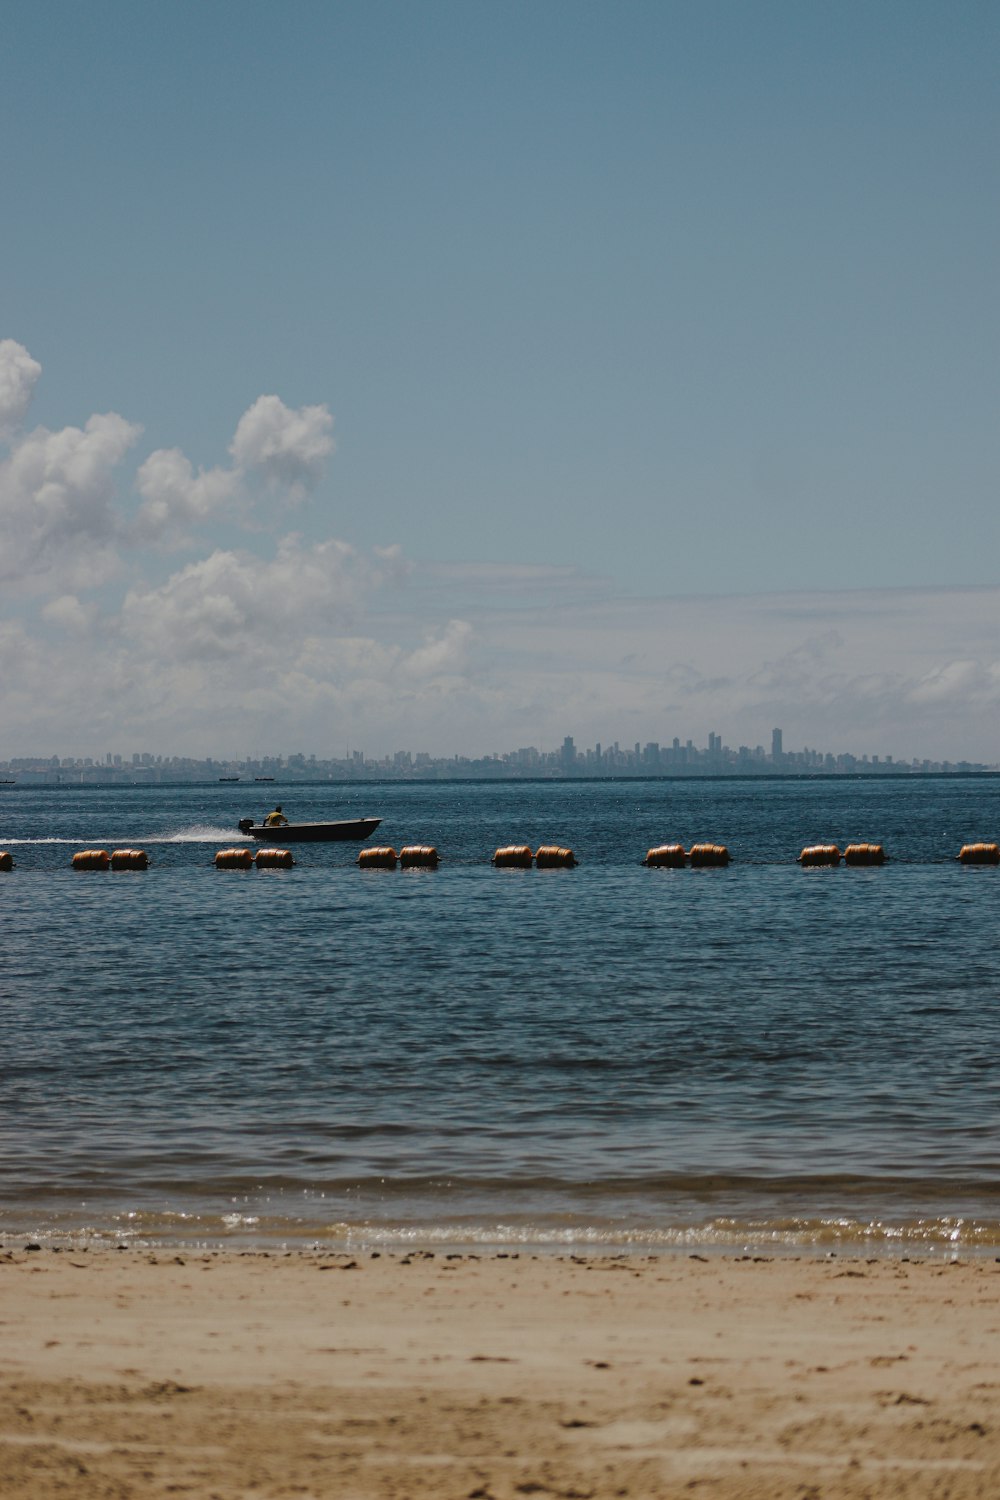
(462, 1373)
(957, 1234)
(102, 1242)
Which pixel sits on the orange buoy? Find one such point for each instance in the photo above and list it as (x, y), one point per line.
(515, 855)
(129, 859)
(820, 854)
(553, 856)
(6, 860)
(234, 859)
(708, 855)
(274, 859)
(979, 854)
(864, 854)
(92, 859)
(424, 855)
(379, 858)
(666, 856)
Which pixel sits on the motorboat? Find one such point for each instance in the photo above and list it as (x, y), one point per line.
(352, 829)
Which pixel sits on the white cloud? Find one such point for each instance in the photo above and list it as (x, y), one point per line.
(61, 522)
(56, 502)
(957, 682)
(446, 654)
(288, 448)
(18, 374)
(75, 616)
(175, 497)
(233, 605)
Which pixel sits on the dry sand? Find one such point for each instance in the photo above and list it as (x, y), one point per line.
(236, 1376)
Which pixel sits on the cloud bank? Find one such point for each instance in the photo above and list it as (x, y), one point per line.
(127, 624)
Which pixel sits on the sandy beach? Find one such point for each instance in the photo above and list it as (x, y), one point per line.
(230, 1376)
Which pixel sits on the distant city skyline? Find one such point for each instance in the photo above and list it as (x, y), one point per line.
(649, 759)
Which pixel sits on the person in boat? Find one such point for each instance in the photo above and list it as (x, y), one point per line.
(276, 819)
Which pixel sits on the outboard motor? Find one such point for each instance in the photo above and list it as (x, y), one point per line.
(245, 825)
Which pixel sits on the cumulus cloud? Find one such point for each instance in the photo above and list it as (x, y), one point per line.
(288, 448)
(175, 497)
(57, 491)
(61, 516)
(18, 374)
(59, 524)
(173, 656)
(233, 604)
(263, 648)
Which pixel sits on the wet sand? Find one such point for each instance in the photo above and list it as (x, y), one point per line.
(229, 1376)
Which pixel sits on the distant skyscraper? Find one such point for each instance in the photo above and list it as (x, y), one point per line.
(776, 751)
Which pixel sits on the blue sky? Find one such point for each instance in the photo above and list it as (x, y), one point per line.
(607, 305)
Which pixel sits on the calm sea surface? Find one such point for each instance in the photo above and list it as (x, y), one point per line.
(755, 1056)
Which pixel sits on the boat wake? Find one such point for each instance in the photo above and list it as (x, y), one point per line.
(198, 833)
(201, 833)
(8, 842)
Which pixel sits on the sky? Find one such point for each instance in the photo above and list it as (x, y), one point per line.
(457, 377)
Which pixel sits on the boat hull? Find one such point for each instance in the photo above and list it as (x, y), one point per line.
(354, 830)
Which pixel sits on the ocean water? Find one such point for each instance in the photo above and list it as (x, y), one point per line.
(753, 1057)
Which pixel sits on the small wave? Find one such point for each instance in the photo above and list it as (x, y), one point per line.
(944, 1238)
(816, 1235)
